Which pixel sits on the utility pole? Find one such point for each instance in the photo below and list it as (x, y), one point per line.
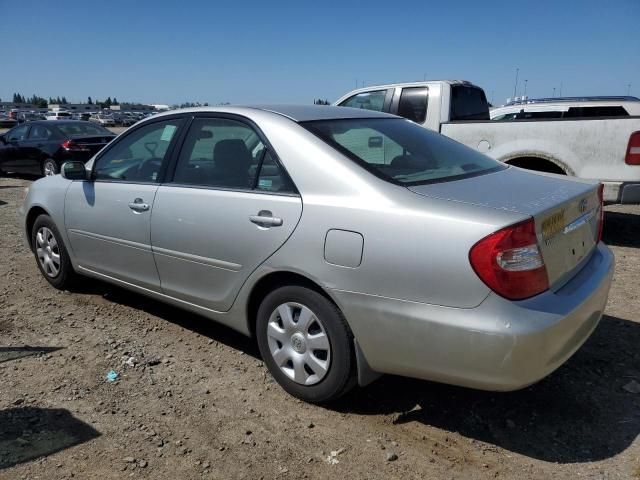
(560, 87)
(525, 88)
(554, 92)
(515, 85)
(628, 89)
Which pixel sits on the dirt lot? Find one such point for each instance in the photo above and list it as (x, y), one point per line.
(197, 401)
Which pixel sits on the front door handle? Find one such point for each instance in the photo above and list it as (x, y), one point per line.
(265, 219)
(138, 205)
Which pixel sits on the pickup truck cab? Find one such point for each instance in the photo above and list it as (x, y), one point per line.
(602, 148)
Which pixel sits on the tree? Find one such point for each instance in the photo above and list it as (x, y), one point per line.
(89, 101)
(64, 101)
(115, 101)
(319, 101)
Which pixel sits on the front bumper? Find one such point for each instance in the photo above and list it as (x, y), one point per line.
(500, 345)
(622, 192)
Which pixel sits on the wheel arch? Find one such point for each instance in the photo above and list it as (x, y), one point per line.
(539, 163)
(34, 212)
(270, 282)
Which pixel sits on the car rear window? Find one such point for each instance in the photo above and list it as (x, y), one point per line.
(468, 103)
(400, 151)
(82, 128)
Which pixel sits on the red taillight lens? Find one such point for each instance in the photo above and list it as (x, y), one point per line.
(601, 217)
(510, 263)
(68, 144)
(633, 150)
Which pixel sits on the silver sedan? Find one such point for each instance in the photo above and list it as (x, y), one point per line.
(350, 243)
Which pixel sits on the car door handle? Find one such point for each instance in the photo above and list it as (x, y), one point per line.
(265, 219)
(138, 205)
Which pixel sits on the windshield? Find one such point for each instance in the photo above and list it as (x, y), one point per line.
(83, 128)
(401, 151)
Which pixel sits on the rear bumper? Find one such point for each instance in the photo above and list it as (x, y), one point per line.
(622, 192)
(499, 345)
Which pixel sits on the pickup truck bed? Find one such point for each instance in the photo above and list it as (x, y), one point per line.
(586, 148)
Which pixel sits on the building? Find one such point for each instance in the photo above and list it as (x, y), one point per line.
(74, 107)
(132, 107)
(26, 107)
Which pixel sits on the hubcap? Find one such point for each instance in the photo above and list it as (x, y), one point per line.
(48, 252)
(298, 343)
(49, 168)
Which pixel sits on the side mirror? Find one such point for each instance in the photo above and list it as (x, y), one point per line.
(74, 171)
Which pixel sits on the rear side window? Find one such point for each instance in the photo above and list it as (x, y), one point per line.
(586, 112)
(413, 104)
(224, 153)
(468, 103)
(367, 101)
(40, 132)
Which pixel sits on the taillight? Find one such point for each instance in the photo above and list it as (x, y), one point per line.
(633, 150)
(510, 263)
(72, 146)
(601, 215)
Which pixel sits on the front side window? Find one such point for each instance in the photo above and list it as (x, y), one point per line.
(224, 153)
(401, 151)
(18, 134)
(138, 156)
(413, 104)
(367, 101)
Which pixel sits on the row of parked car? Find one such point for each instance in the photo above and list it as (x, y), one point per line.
(110, 119)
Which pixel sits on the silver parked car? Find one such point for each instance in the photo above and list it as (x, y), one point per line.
(349, 242)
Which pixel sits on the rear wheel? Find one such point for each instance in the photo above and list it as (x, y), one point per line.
(51, 254)
(306, 344)
(49, 167)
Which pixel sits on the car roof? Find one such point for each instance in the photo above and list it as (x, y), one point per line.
(297, 113)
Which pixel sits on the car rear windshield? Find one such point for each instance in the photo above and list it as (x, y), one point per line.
(401, 151)
(468, 103)
(82, 128)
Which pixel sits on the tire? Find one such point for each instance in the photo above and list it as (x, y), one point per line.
(287, 342)
(49, 167)
(60, 273)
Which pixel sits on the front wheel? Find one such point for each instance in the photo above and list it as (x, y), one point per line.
(51, 254)
(306, 344)
(49, 167)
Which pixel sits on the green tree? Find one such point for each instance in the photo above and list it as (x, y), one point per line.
(89, 101)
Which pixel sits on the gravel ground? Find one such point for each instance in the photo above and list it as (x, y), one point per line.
(195, 401)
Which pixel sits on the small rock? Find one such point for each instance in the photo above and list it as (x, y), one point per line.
(391, 457)
(129, 459)
(18, 401)
(310, 425)
(632, 387)
(142, 464)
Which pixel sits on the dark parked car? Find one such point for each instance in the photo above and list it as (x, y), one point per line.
(41, 147)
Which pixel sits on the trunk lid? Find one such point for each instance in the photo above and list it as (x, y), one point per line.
(566, 211)
(88, 146)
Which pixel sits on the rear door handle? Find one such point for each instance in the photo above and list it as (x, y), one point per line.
(265, 219)
(138, 205)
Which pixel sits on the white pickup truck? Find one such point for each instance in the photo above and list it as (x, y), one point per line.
(606, 149)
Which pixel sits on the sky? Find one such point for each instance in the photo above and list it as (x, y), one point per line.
(270, 51)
